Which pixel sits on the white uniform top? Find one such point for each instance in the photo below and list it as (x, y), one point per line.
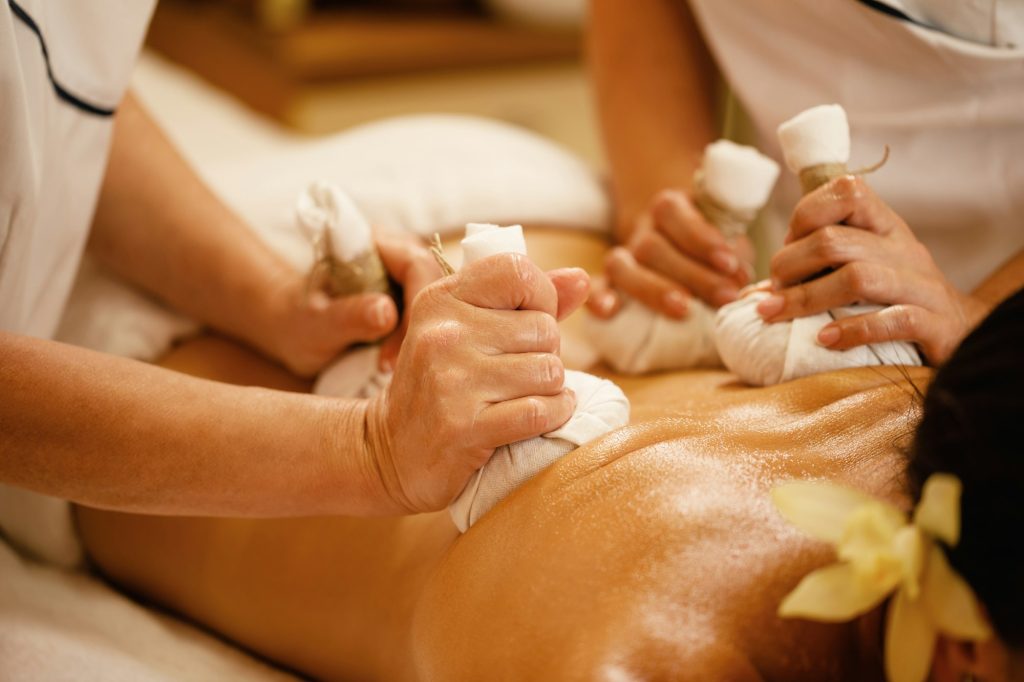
(951, 109)
(64, 67)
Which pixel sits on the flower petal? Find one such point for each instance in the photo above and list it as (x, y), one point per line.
(833, 594)
(911, 549)
(951, 602)
(818, 508)
(909, 640)
(938, 512)
(870, 528)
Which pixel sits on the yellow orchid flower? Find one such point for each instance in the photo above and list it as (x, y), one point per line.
(880, 552)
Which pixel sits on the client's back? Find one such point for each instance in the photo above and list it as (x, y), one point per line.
(650, 554)
(655, 553)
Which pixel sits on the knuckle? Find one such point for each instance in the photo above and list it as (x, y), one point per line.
(535, 414)
(666, 200)
(552, 374)
(857, 329)
(798, 297)
(522, 271)
(863, 280)
(905, 321)
(546, 335)
(616, 261)
(829, 243)
(442, 336)
(646, 247)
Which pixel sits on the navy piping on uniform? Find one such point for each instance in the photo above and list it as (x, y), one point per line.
(892, 12)
(61, 91)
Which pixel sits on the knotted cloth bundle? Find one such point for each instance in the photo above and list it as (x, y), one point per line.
(734, 182)
(763, 354)
(601, 407)
(345, 263)
(345, 259)
(816, 145)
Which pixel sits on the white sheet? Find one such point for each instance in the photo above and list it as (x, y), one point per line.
(58, 625)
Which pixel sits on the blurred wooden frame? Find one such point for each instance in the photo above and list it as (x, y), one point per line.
(270, 69)
(276, 15)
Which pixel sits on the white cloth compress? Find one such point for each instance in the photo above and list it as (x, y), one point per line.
(734, 182)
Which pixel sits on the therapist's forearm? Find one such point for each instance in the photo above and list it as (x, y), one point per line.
(119, 434)
(160, 227)
(654, 82)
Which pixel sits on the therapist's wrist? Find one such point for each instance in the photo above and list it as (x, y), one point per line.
(350, 480)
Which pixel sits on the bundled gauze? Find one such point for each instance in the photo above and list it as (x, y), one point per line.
(345, 262)
(601, 407)
(732, 185)
(816, 145)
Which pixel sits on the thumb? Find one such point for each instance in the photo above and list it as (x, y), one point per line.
(572, 286)
(361, 318)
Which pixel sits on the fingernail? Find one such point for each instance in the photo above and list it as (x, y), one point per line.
(726, 261)
(723, 295)
(771, 306)
(605, 302)
(829, 335)
(379, 313)
(676, 303)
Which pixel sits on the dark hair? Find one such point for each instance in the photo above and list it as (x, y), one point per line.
(973, 427)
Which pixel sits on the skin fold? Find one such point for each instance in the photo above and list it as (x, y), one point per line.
(652, 553)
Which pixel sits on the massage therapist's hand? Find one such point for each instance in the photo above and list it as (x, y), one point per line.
(309, 329)
(672, 255)
(479, 368)
(874, 257)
